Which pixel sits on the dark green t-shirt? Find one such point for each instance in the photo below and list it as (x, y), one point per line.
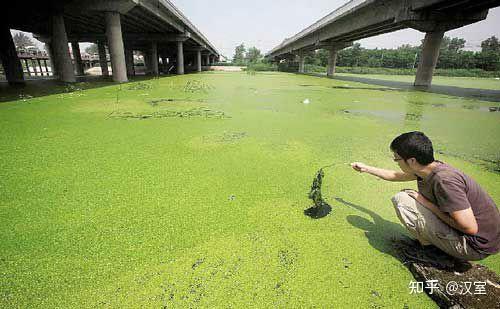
(451, 190)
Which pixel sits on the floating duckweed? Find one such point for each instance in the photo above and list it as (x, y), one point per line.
(140, 86)
(201, 112)
(197, 86)
(169, 100)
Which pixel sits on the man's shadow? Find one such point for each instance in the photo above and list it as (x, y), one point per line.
(393, 238)
(382, 234)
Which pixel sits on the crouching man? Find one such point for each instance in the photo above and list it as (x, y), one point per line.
(450, 210)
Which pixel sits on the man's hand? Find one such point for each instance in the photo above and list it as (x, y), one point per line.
(360, 167)
(384, 174)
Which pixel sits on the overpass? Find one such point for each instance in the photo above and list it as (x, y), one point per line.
(155, 27)
(358, 19)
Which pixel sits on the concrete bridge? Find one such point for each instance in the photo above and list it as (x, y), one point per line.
(155, 27)
(358, 19)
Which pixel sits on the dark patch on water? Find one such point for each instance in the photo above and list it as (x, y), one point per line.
(201, 112)
(197, 263)
(232, 136)
(385, 114)
(481, 94)
(287, 258)
(197, 86)
(375, 293)
(471, 107)
(227, 137)
(413, 117)
(482, 108)
(346, 263)
(368, 88)
(170, 100)
(155, 102)
(140, 86)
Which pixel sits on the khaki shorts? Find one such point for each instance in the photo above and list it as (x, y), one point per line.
(429, 229)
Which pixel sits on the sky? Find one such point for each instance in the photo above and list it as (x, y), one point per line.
(265, 24)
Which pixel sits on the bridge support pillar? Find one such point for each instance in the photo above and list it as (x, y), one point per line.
(8, 55)
(75, 48)
(198, 60)
(428, 59)
(147, 62)
(103, 60)
(332, 62)
(154, 59)
(208, 60)
(61, 51)
(301, 63)
(50, 52)
(115, 45)
(180, 57)
(129, 59)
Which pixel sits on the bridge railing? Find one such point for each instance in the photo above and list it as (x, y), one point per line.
(31, 53)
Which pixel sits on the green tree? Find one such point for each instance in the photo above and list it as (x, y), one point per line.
(350, 56)
(356, 53)
(21, 40)
(452, 56)
(456, 44)
(490, 45)
(253, 55)
(92, 49)
(239, 54)
(489, 58)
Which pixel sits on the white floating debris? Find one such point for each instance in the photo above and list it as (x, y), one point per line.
(306, 101)
(497, 78)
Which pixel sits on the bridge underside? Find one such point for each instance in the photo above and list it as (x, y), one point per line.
(361, 19)
(155, 27)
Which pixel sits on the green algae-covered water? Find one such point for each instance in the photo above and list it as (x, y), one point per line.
(189, 191)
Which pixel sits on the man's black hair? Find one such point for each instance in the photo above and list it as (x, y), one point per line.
(414, 145)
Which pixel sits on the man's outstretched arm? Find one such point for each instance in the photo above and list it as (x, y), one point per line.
(384, 174)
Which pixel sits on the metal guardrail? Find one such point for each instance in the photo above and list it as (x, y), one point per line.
(43, 54)
(341, 11)
(32, 53)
